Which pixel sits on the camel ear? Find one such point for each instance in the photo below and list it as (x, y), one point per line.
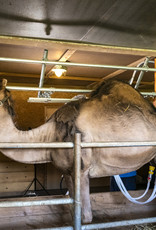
(4, 83)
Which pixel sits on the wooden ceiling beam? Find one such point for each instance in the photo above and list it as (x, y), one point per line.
(117, 72)
(5, 74)
(57, 44)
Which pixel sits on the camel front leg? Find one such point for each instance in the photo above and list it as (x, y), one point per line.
(69, 184)
(85, 199)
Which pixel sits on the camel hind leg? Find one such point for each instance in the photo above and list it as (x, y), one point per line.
(85, 199)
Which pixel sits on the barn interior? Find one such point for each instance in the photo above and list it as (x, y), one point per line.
(114, 33)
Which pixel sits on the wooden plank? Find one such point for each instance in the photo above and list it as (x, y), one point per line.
(14, 166)
(33, 222)
(48, 44)
(49, 75)
(14, 187)
(16, 177)
(109, 206)
(115, 73)
(114, 206)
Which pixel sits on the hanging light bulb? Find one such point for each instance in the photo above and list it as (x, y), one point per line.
(59, 70)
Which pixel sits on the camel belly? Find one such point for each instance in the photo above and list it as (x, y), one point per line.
(119, 160)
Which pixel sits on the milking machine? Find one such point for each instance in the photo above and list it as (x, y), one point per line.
(135, 199)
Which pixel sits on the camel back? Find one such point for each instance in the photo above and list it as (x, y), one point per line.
(123, 92)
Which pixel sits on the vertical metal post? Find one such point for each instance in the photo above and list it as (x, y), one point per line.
(77, 158)
(141, 74)
(134, 73)
(45, 55)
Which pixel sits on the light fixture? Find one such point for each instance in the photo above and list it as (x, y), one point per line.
(59, 70)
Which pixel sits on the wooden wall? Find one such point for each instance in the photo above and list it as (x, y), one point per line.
(14, 177)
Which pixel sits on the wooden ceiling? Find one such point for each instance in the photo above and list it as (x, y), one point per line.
(92, 32)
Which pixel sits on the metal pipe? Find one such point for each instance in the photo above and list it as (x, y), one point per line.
(50, 100)
(148, 93)
(48, 89)
(62, 90)
(152, 62)
(57, 228)
(117, 144)
(108, 225)
(8, 145)
(141, 74)
(119, 223)
(9, 204)
(77, 161)
(28, 61)
(45, 55)
(134, 73)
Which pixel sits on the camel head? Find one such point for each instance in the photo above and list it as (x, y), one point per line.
(4, 83)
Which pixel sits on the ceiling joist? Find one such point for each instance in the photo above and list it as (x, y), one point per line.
(45, 44)
(21, 75)
(117, 72)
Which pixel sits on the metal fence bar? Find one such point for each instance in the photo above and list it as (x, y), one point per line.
(57, 228)
(6, 204)
(77, 204)
(29, 61)
(7, 145)
(117, 144)
(108, 224)
(119, 223)
(77, 146)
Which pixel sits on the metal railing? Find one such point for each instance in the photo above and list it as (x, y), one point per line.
(43, 99)
(77, 145)
(49, 62)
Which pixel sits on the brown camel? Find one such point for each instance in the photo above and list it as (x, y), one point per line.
(113, 112)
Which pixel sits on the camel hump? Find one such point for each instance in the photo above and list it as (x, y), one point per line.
(122, 92)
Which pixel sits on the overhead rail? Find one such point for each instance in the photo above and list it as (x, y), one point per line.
(48, 62)
(21, 88)
(50, 100)
(51, 89)
(45, 97)
(59, 100)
